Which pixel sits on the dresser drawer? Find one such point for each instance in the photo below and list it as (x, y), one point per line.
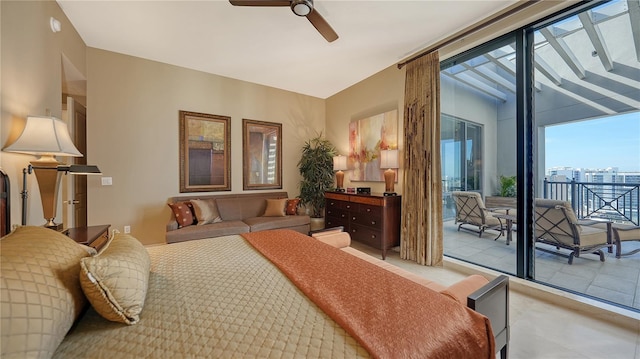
(337, 212)
(335, 204)
(367, 219)
(330, 222)
(370, 210)
(366, 235)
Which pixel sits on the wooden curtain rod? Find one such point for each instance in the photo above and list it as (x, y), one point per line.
(468, 32)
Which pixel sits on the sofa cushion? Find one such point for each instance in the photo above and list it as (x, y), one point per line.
(275, 207)
(116, 281)
(210, 230)
(265, 223)
(206, 211)
(40, 291)
(183, 213)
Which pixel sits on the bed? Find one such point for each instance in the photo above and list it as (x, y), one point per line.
(264, 294)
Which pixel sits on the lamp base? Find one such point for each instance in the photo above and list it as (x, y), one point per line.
(54, 226)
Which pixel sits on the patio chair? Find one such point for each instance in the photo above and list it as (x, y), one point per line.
(470, 210)
(556, 224)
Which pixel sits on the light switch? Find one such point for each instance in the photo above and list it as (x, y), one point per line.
(107, 181)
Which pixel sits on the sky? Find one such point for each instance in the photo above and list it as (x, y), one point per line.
(607, 142)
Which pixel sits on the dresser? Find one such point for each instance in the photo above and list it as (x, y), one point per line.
(372, 219)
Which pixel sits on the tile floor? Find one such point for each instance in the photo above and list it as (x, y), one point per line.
(615, 280)
(547, 323)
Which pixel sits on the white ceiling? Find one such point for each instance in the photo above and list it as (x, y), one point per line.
(271, 45)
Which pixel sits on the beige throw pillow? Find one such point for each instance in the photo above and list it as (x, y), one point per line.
(40, 291)
(116, 280)
(206, 211)
(275, 207)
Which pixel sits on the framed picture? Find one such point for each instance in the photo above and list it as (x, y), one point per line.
(262, 155)
(367, 137)
(205, 152)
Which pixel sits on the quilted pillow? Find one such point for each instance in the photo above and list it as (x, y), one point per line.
(40, 292)
(116, 280)
(275, 207)
(183, 213)
(292, 206)
(206, 211)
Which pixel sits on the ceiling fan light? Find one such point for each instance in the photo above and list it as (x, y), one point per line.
(301, 7)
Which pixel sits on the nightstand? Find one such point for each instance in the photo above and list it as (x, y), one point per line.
(92, 236)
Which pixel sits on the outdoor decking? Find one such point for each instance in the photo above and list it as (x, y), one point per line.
(614, 280)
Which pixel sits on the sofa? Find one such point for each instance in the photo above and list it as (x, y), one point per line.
(206, 216)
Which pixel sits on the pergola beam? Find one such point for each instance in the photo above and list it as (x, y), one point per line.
(478, 85)
(547, 70)
(491, 76)
(565, 52)
(596, 39)
(634, 17)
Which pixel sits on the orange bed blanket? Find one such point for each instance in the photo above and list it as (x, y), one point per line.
(392, 317)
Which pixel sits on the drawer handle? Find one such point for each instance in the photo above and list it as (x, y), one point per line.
(343, 216)
(348, 206)
(373, 222)
(368, 209)
(353, 218)
(373, 236)
(353, 231)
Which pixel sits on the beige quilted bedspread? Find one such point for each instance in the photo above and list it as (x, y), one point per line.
(196, 307)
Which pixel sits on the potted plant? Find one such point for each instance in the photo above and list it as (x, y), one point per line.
(316, 168)
(506, 194)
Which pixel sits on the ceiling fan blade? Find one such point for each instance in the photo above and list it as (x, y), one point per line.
(260, 2)
(322, 26)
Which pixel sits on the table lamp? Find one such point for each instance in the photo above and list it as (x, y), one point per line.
(389, 160)
(339, 164)
(47, 137)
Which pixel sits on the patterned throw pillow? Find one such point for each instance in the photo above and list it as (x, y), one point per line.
(275, 207)
(41, 294)
(116, 280)
(183, 213)
(292, 206)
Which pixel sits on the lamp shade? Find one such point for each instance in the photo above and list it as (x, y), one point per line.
(43, 135)
(339, 163)
(389, 159)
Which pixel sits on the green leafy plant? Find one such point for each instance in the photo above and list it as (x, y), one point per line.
(316, 168)
(507, 186)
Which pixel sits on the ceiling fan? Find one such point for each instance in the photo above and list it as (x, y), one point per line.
(300, 8)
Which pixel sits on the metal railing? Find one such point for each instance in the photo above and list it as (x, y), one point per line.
(619, 202)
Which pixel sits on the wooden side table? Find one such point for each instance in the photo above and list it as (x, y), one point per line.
(92, 236)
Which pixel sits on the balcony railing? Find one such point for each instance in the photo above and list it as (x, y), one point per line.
(619, 202)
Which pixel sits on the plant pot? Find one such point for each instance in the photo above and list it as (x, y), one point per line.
(500, 202)
(316, 224)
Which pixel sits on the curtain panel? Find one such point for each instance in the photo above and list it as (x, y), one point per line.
(422, 239)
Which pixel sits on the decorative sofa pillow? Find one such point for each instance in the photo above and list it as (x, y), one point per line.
(41, 294)
(183, 211)
(116, 280)
(275, 207)
(292, 206)
(206, 211)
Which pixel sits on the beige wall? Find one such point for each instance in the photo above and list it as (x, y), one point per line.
(133, 109)
(31, 83)
(379, 93)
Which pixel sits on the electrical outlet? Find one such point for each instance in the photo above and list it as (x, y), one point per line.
(127, 229)
(107, 181)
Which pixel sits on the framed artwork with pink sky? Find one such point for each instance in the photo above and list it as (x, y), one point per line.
(367, 137)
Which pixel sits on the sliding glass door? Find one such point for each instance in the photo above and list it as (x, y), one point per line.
(552, 113)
